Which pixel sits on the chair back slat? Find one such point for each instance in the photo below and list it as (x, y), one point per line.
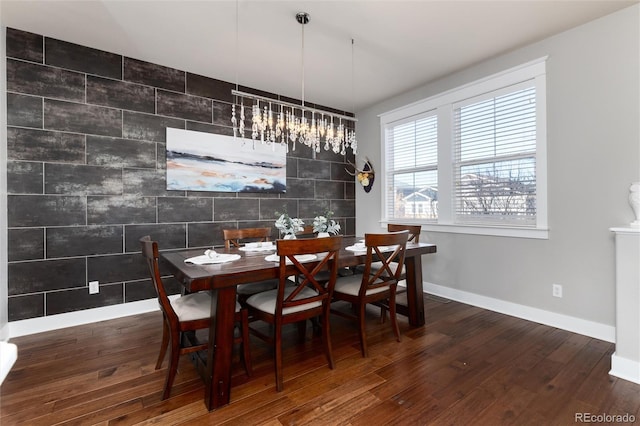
(234, 237)
(327, 251)
(376, 251)
(414, 231)
(151, 254)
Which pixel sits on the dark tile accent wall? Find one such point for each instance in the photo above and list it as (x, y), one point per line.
(86, 174)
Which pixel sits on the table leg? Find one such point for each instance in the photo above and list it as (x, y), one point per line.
(415, 296)
(220, 351)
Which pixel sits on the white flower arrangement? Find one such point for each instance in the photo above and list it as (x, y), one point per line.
(326, 224)
(288, 225)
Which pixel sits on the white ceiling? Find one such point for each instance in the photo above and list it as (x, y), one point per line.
(398, 45)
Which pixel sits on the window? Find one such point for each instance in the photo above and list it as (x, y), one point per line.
(412, 159)
(472, 159)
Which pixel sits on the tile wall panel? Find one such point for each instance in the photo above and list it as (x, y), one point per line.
(180, 209)
(119, 152)
(25, 244)
(116, 268)
(59, 302)
(139, 290)
(80, 58)
(46, 210)
(24, 111)
(24, 177)
(105, 210)
(41, 80)
(146, 182)
(168, 236)
(207, 234)
(26, 306)
(209, 87)
(271, 209)
(148, 127)
(81, 179)
(120, 94)
(154, 75)
(35, 277)
(42, 145)
(83, 240)
(226, 209)
(24, 45)
(82, 118)
(86, 148)
(184, 106)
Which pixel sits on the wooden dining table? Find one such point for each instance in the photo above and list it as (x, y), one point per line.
(222, 279)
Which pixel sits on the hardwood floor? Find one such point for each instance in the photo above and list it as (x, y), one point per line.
(466, 366)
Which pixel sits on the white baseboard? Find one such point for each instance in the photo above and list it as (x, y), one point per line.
(565, 322)
(625, 368)
(70, 319)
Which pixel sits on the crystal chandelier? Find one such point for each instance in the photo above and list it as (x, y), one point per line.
(276, 121)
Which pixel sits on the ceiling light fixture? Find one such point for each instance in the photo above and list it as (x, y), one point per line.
(275, 121)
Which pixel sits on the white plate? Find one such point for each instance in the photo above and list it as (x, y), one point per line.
(301, 258)
(207, 260)
(269, 246)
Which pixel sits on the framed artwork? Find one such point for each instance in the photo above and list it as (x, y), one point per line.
(199, 161)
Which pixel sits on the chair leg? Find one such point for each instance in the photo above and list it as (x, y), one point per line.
(383, 314)
(277, 342)
(246, 347)
(326, 339)
(393, 316)
(173, 364)
(164, 344)
(362, 332)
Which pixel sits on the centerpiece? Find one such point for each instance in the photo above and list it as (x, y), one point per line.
(324, 225)
(288, 226)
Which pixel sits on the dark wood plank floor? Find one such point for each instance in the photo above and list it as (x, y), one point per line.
(466, 366)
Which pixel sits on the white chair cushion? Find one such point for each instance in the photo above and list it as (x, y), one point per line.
(375, 266)
(351, 285)
(266, 301)
(194, 306)
(257, 287)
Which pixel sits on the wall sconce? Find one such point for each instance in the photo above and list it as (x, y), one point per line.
(364, 176)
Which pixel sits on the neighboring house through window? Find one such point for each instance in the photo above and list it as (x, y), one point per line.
(473, 159)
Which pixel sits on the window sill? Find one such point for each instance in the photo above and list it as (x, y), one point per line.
(495, 231)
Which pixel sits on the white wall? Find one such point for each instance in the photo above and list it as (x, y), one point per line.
(593, 130)
(4, 328)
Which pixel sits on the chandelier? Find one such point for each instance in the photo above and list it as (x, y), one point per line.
(275, 121)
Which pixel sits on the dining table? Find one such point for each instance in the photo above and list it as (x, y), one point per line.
(250, 266)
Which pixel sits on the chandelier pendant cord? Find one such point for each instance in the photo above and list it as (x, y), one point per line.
(294, 125)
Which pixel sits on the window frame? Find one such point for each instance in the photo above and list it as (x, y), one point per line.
(443, 103)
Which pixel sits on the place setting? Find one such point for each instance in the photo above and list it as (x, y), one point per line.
(258, 246)
(211, 257)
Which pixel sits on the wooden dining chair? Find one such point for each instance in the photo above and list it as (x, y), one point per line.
(296, 303)
(187, 313)
(371, 287)
(414, 237)
(236, 238)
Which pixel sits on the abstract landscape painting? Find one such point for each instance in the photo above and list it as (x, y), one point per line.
(199, 161)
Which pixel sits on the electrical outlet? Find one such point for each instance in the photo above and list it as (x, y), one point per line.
(557, 290)
(94, 287)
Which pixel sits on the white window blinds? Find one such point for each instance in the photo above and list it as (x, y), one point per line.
(495, 157)
(412, 168)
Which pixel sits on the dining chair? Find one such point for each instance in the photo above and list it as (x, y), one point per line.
(296, 303)
(235, 238)
(187, 313)
(371, 287)
(414, 237)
